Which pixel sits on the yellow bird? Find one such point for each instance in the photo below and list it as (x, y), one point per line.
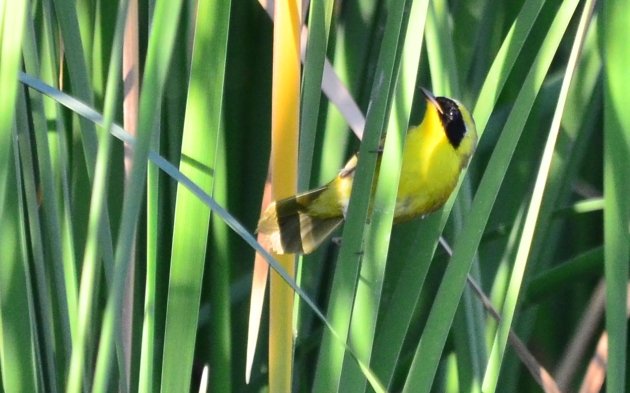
(435, 153)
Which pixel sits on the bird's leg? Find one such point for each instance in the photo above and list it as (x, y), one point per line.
(379, 150)
(337, 241)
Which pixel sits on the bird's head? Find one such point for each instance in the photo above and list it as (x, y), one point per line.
(458, 124)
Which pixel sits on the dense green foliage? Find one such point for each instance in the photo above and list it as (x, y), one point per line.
(540, 220)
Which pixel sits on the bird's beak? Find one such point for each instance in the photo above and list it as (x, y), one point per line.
(431, 98)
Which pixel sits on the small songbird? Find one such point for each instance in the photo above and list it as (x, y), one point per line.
(435, 154)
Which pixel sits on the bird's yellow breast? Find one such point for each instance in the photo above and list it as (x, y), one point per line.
(430, 169)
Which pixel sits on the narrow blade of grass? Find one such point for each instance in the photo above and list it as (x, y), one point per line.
(320, 16)
(158, 57)
(201, 142)
(470, 352)
(616, 187)
(75, 58)
(45, 329)
(363, 329)
(285, 119)
(58, 308)
(91, 259)
(331, 356)
(16, 319)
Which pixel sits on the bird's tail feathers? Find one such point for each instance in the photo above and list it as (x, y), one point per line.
(289, 227)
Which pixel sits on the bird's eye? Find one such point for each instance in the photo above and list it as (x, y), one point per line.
(452, 120)
(454, 113)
